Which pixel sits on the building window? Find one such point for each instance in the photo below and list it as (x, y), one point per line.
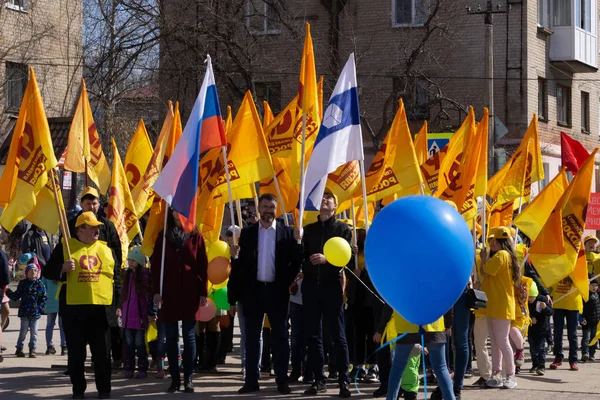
(271, 93)
(414, 94)
(18, 5)
(583, 11)
(542, 100)
(16, 82)
(562, 12)
(585, 112)
(409, 12)
(542, 13)
(261, 17)
(563, 105)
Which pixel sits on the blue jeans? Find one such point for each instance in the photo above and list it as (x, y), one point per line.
(460, 336)
(298, 338)
(537, 347)
(437, 355)
(28, 324)
(50, 322)
(242, 323)
(161, 340)
(587, 333)
(189, 347)
(559, 325)
(135, 342)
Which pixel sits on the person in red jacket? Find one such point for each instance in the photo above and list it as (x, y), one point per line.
(184, 290)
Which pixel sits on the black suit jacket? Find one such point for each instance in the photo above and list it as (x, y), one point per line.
(242, 280)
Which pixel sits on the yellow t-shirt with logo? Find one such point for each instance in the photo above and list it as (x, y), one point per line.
(92, 280)
(498, 287)
(572, 302)
(593, 262)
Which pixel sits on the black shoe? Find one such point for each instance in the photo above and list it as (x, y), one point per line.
(50, 350)
(188, 385)
(78, 396)
(517, 370)
(436, 394)
(317, 387)
(175, 385)
(63, 350)
(480, 382)
(532, 370)
(283, 388)
(540, 371)
(19, 353)
(381, 391)
(333, 376)
(457, 393)
(344, 391)
(410, 396)
(309, 380)
(294, 378)
(104, 395)
(248, 389)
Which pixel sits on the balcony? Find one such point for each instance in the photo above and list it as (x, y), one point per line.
(573, 45)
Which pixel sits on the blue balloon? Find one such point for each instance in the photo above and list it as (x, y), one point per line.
(419, 253)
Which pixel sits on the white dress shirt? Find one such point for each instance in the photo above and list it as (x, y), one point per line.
(266, 252)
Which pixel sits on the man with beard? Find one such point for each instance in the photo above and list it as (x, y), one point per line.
(264, 265)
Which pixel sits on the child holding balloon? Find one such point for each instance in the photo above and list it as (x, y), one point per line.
(138, 310)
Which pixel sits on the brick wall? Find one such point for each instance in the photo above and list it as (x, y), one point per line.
(47, 37)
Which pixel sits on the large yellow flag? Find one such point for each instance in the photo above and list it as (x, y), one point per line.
(517, 181)
(394, 168)
(138, 156)
(554, 253)
(268, 116)
(280, 131)
(289, 191)
(143, 191)
(228, 120)
(45, 214)
(212, 223)
(534, 216)
(121, 211)
(84, 145)
(165, 149)
(535, 168)
(344, 182)
(430, 170)
(579, 276)
(421, 149)
(308, 106)
(500, 215)
(457, 170)
(31, 158)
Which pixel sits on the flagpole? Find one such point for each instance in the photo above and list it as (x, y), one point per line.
(302, 188)
(87, 179)
(62, 218)
(238, 209)
(164, 243)
(354, 237)
(361, 164)
(228, 178)
(483, 226)
(285, 217)
(520, 208)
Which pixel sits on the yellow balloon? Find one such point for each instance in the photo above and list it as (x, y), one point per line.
(218, 249)
(337, 251)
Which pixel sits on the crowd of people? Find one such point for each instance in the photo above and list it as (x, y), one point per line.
(292, 306)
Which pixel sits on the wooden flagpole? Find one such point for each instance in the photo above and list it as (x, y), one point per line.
(278, 189)
(62, 217)
(302, 184)
(228, 178)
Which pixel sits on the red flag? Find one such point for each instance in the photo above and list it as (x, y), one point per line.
(573, 154)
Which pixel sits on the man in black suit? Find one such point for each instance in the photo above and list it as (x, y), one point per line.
(264, 265)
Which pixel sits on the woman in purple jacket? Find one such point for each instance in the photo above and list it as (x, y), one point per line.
(138, 309)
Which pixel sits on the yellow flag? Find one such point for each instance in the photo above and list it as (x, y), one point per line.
(394, 168)
(121, 211)
(228, 120)
(320, 97)
(457, 170)
(535, 169)
(554, 253)
(500, 215)
(534, 216)
(268, 116)
(280, 131)
(359, 215)
(143, 192)
(44, 214)
(517, 181)
(163, 151)
(308, 106)
(289, 191)
(32, 155)
(344, 182)
(138, 156)
(421, 149)
(84, 144)
(430, 170)
(579, 276)
(212, 223)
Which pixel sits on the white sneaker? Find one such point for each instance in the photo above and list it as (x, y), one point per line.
(510, 383)
(494, 382)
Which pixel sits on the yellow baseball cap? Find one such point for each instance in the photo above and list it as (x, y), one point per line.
(87, 218)
(453, 204)
(329, 191)
(500, 232)
(89, 191)
(590, 237)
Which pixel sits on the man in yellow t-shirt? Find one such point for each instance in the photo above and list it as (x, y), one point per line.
(567, 305)
(89, 289)
(590, 244)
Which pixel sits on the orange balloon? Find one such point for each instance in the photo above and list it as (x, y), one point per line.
(218, 270)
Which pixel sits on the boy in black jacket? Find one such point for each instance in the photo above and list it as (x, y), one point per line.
(591, 317)
(540, 312)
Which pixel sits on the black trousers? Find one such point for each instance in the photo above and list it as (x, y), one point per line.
(267, 301)
(364, 328)
(116, 343)
(87, 325)
(325, 302)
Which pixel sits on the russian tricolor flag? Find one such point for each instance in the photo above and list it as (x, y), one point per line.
(177, 184)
